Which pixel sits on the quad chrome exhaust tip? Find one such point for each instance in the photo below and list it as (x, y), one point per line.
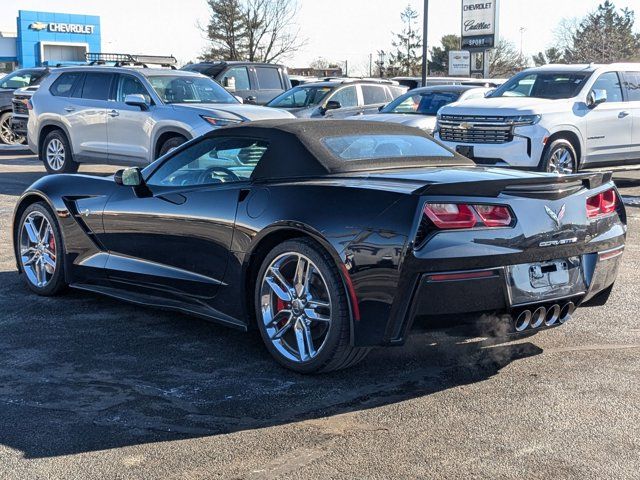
(566, 312)
(538, 317)
(522, 321)
(553, 314)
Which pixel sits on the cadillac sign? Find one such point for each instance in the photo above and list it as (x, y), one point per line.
(63, 27)
(479, 21)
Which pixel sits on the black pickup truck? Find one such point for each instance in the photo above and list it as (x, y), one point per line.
(255, 83)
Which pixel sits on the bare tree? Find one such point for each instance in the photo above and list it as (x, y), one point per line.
(254, 30)
(505, 60)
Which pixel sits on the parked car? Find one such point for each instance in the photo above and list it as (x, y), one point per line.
(416, 82)
(20, 110)
(302, 79)
(329, 237)
(418, 107)
(8, 84)
(127, 115)
(556, 118)
(255, 83)
(337, 98)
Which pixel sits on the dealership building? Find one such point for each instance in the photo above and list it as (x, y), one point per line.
(46, 38)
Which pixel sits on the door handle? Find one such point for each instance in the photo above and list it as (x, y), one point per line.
(69, 109)
(623, 114)
(114, 113)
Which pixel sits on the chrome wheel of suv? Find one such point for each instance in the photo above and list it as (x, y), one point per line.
(55, 154)
(296, 307)
(561, 161)
(37, 249)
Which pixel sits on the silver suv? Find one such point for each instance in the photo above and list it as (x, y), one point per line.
(128, 116)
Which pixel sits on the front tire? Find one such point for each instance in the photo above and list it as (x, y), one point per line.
(56, 153)
(559, 157)
(302, 309)
(7, 136)
(40, 250)
(170, 144)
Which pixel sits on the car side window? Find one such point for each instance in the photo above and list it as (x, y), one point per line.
(210, 161)
(348, 97)
(372, 94)
(97, 86)
(240, 77)
(609, 82)
(269, 78)
(128, 85)
(632, 85)
(63, 85)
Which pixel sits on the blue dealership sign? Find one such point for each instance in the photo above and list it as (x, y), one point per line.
(46, 38)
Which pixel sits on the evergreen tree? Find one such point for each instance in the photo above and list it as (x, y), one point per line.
(407, 58)
(604, 36)
(439, 62)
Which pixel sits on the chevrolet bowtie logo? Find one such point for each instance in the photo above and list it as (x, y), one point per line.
(556, 217)
(38, 26)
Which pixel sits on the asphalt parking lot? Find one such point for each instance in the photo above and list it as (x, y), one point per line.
(92, 388)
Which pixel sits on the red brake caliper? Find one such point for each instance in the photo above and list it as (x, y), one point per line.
(52, 244)
(281, 305)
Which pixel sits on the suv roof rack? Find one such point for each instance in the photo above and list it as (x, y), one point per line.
(126, 59)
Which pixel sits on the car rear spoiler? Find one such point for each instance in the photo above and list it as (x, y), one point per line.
(534, 186)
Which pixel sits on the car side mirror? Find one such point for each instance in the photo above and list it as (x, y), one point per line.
(129, 177)
(596, 97)
(137, 100)
(330, 105)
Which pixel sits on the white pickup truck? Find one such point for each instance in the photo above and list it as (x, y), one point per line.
(556, 118)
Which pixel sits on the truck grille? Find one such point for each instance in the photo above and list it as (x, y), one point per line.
(19, 104)
(475, 129)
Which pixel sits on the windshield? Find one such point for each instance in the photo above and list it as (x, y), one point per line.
(550, 85)
(300, 97)
(21, 78)
(188, 89)
(426, 103)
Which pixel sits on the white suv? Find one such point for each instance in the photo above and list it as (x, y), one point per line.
(556, 118)
(127, 116)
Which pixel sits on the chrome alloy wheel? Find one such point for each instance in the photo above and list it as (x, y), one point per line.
(561, 162)
(37, 249)
(295, 306)
(55, 154)
(7, 135)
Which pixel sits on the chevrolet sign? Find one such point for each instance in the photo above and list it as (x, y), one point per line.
(63, 27)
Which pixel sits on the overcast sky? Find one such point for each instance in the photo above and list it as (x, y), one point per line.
(335, 29)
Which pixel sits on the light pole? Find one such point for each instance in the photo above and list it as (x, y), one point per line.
(425, 24)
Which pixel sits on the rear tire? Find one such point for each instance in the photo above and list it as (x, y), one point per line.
(170, 144)
(56, 154)
(559, 157)
(329, 345)
(40, 250)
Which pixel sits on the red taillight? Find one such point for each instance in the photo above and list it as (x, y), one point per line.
(602, 204)
(450, 215)
(453, 216)
(494, 215)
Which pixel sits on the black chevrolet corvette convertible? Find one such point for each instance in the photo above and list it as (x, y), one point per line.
(330, 237)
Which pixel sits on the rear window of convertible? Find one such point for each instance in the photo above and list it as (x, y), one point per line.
(362, 147)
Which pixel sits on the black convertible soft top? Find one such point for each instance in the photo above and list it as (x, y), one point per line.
(296, 147)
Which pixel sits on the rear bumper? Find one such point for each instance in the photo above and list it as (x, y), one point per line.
(493, 290)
